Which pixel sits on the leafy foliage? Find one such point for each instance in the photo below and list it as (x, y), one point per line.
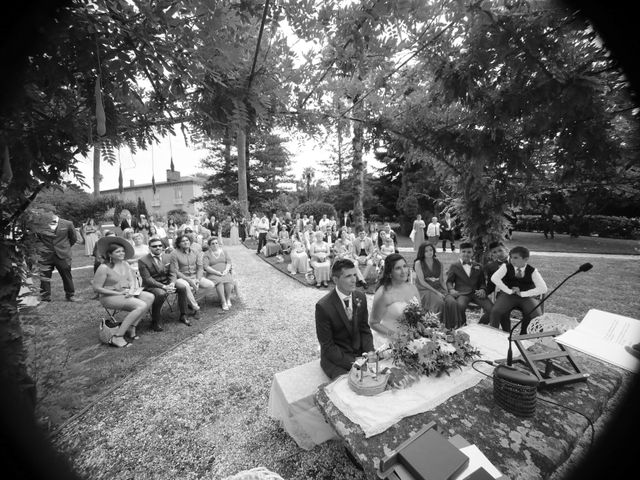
(317, 209)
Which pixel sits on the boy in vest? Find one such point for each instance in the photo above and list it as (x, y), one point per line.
(517, 286)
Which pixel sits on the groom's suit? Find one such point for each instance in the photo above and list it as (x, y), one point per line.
(342, 339)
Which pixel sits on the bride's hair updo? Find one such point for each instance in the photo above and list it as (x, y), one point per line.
(389, 263)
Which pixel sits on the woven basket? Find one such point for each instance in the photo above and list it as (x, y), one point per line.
(515, 391)
(368, 386)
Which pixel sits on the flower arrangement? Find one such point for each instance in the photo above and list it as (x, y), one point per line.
(425, 347)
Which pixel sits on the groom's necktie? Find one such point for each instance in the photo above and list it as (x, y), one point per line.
(348, 308)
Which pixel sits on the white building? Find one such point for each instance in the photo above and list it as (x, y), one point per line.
(175, 193)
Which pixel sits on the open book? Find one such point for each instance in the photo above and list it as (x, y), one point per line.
(604, 335)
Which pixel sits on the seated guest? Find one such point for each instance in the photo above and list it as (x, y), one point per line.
(517, 283)
(499, 256)
(272, 247)
(320, 261)
(97, 258)
(299, 258)
(342, 247)
(185, 267)
(284, 240)
(363, 251)
(308, 236)
(193, 238)
(465, 283)
(127, 234)
(342, 322)
(154, 272)
(387, 247)
(139, 248)
(430, 279)
(116, 284)
(388, 233)
(154, 232)
(217, 267)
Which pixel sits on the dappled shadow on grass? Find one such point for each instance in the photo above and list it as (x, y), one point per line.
(72, 369)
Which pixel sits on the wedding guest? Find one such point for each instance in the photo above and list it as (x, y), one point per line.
(217, 266)
(324, 222)
(299, 258)
(193, 238)
(253, 226)
(341, 322)
(389, 233)
(465, 283)
(140, 249)
(185, 266)
(275, 222)
(418, 232)
(393, 294)
(433, 231)
(97, 258)
(127, 221)
(262, 228)
(430, 279)
(272, 246)
(116, 284)
(308, 236)
(373, 234)
(215, 226)
(91, 234)
(172, 231)
(127, 234)
(363, 251)
(242, 229)
(499, 256)
(284, 240)
(517, 283)
(156, 230)
(154, 272)
(320, 261)
(387, 247)
(447, 232)
(143, 226)
(342, 248)
(54, 250)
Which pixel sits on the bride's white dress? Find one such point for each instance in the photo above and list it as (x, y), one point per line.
(390, 320)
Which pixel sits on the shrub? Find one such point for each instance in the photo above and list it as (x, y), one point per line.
(601, 225)
(178, 215)
(317, 209)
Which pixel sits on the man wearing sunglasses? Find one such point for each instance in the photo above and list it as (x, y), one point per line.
(154, 271)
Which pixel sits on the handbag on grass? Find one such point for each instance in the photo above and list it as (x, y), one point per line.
(107, 330)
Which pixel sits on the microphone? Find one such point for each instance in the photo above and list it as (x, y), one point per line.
(585, 267)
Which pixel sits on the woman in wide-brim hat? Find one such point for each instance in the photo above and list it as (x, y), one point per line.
(116, 284)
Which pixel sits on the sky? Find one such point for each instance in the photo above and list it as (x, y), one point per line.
(186, 159)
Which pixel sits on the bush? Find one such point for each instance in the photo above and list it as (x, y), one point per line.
(178, 215)
(317, 209)
(601, 225)
(75, 205)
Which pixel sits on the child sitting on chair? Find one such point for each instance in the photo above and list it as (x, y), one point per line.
(517, 284)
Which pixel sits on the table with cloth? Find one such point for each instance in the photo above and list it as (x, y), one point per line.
(372, 427)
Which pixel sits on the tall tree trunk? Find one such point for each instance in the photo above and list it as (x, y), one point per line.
(243, 197)
(339, 154)
(96, 168)
(228, 141)
(358, 167)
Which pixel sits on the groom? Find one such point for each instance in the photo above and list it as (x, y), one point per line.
(342, 322)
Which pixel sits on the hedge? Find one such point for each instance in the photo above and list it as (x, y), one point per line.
(600, 225)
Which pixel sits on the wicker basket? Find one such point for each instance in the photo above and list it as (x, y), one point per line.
(515, 390)
(368, 386)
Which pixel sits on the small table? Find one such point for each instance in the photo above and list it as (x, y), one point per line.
(519, 448)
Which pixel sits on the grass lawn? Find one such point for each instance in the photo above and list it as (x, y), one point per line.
(72, 369)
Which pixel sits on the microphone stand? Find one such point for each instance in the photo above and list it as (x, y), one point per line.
(583, 268)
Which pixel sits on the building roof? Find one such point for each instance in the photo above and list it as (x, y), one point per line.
(187, 179)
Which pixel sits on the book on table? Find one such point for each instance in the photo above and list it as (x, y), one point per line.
(432, 457)
(604, 335)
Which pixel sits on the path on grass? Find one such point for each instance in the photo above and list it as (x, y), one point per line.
(200, 411)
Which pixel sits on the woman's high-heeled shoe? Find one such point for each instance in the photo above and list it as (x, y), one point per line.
(118, 344)
(131, 333)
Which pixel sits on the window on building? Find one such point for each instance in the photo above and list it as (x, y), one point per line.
(177, 195)
(156, 200)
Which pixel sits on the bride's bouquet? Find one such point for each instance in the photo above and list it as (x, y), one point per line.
(423, 346)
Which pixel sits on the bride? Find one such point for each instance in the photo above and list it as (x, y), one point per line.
(393, 293)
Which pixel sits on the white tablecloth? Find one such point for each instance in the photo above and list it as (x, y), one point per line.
(377, 413)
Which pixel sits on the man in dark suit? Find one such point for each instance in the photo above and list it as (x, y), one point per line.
(55, 251)
(499, 257)
(342, 322)
(154, 271)
(465, 283)
(447, 232)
